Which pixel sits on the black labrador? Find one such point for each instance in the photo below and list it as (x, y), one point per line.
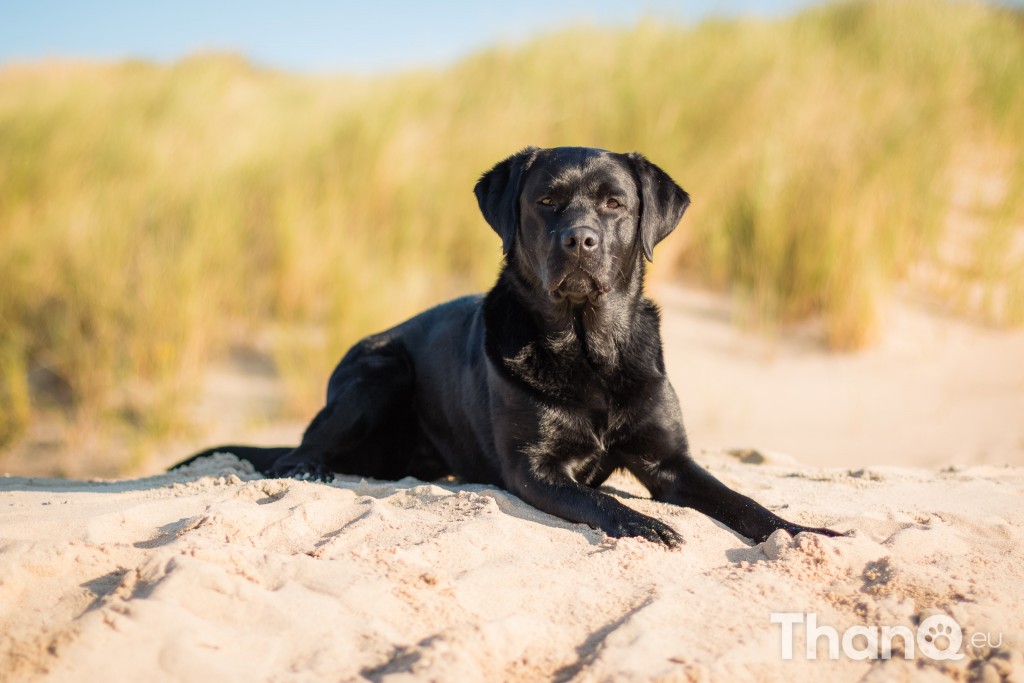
(548, 383)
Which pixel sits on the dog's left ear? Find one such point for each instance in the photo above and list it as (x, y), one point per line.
(497, 193)
(663, 202)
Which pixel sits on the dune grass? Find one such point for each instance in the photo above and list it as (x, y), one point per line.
(152, 215)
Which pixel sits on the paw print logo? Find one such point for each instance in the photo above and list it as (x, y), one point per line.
(937, 633)
(940, 637)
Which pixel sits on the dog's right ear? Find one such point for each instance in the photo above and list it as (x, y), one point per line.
(497, 193)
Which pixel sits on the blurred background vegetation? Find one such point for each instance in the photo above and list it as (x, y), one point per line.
(153, 216)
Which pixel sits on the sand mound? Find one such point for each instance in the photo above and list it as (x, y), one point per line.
(213, 573)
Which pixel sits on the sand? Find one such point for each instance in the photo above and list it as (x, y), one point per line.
(214, 573)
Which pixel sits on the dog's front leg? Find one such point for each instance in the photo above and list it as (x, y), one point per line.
(555, 492)
(682, 481)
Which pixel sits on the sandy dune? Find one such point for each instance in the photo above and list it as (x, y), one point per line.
(213, 573)
(933, 391)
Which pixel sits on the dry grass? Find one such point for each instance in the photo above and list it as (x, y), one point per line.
(149, 215)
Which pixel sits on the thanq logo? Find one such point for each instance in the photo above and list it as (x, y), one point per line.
(938, 637)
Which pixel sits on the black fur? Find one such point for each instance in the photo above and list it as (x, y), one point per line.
(551, 381)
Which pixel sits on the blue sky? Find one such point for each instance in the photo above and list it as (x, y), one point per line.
(308, 35)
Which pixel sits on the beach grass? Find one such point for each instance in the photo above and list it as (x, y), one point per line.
(151, 216)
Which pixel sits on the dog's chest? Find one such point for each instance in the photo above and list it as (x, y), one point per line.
(582, 402)
(565, 376)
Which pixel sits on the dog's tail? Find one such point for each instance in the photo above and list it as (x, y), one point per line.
(261, 457)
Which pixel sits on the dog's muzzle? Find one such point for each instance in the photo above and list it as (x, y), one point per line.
(577, 285)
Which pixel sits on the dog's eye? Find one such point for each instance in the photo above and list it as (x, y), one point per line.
(546, 201)
(613, 204)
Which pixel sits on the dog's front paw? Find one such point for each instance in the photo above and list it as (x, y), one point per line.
(306, 471)
(647, 528)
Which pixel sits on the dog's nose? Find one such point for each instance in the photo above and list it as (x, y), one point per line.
(580, 239)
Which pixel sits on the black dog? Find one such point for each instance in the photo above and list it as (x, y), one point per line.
(551, 381)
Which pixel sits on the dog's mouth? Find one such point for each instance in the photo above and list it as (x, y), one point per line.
(578, 286)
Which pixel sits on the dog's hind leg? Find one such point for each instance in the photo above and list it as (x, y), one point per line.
(367, 427)
(262, 458)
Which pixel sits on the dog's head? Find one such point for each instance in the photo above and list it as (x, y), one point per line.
(575, 220)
